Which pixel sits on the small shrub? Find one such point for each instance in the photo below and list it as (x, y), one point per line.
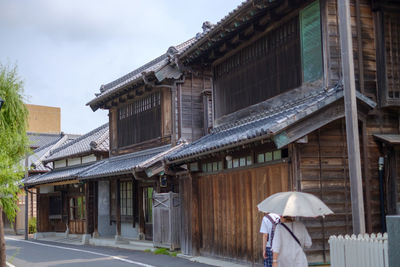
(147, 250)
(161, 251)
(32, 225)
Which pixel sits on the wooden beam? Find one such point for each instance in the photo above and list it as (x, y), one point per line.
(236, 40)
(353, 143)
(308, 125)
(249, 30)
(131, 95)
(122, 99)
(139, 92)
(223, 48)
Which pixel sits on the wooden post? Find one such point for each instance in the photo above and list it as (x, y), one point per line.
(87, 207)
(353, 144)
(118, 208)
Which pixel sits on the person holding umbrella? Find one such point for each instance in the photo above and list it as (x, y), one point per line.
(268, 225)
(289, 240)
(290, 237)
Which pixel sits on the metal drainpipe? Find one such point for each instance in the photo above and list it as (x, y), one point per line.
(381, 193)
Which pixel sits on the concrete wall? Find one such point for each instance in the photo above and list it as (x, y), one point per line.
(104, 227)
(128, 231)
(44, 119)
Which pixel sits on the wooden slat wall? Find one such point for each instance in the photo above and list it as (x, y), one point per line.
(191, 102)
(185, 189)
(43, 220)
(368, 45)
(379, 123)
(228, 215)
(324, 172)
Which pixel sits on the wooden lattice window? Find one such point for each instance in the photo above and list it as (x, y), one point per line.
(140, 120)
(279, 61)
(392, 55)
(126, 198)
(260, 70)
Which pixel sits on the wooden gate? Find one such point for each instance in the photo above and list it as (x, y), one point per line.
(229, 221)
(166, 220)
(77, 215)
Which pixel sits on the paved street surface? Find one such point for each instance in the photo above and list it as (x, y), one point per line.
(22, 253)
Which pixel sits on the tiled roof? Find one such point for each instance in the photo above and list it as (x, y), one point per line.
(263, 123)
(95, 140)
(152, 66)
(39, 154)
(57, 175)
(121, 164)
(209, 33)
(39, 140)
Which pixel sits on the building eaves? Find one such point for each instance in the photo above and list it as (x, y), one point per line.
(122, 164)
(41, 140)
(223, 28)
(262, 125)
(136, 76)
(57, 175)
(82, 144)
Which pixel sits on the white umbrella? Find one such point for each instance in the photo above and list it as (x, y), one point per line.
(294, 204)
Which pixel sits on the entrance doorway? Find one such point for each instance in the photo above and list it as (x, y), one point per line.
(77, 214)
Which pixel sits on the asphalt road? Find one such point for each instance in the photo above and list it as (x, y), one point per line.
(32, 253)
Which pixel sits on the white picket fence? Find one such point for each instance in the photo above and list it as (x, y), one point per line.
(359, 251)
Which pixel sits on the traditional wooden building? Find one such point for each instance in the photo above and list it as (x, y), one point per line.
(151, 110)
(278, 115)
(40, 144)
(64, 204)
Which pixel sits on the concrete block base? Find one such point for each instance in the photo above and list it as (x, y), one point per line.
(85, 239)
(120, 240)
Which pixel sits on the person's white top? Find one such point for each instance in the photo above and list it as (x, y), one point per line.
(290, 253)
(266, 226)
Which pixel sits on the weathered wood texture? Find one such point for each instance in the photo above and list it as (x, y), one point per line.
(191, 118)
(381, 123)
(227, 216)
(368, 45)
(166, 220)
(140, 120)
(323, 168)
(43, 213)
(185, 189)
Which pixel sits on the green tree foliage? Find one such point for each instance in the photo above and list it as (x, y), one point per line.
(13, 139)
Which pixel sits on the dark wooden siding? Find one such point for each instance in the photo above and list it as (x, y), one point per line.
(265, 68)
(324, 173)
(140, 120)
(227, 218)
(323, 170)
(191, 107)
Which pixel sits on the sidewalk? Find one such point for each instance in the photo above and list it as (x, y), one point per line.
(138, 245)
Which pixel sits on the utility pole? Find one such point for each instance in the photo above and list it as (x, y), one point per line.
(26, 198)
(350, 105)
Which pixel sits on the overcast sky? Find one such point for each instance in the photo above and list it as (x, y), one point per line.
(65, 49)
